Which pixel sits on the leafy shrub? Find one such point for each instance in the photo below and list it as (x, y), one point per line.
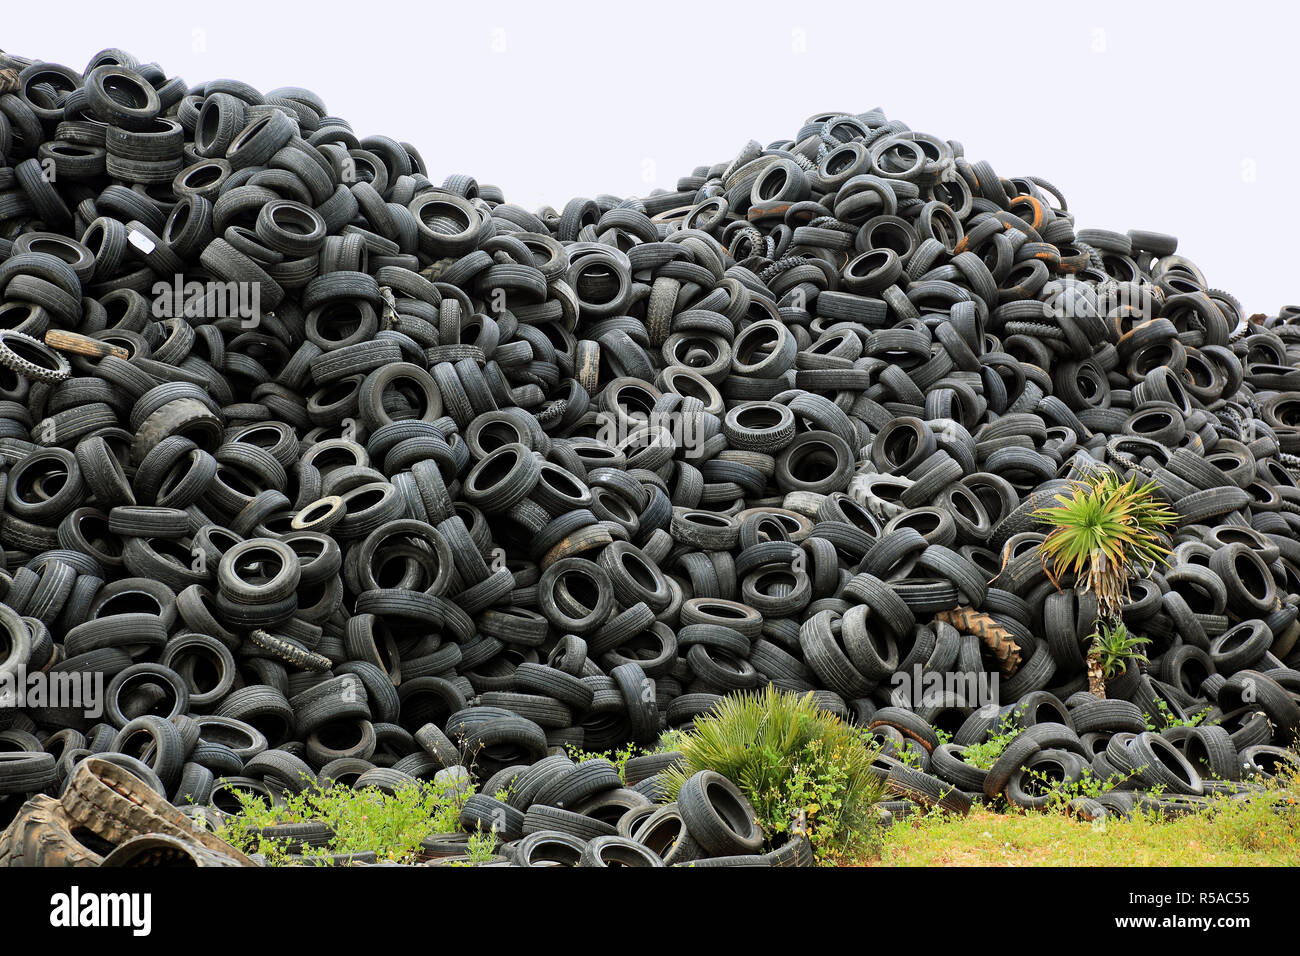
(789, 757)
(983, 755)
(1164, 718)
(618, 758)
(362, 820)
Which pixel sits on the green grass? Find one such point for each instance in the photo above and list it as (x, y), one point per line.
(793, 759)
(1263, 832)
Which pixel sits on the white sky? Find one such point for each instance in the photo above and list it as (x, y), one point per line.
(1176, 117)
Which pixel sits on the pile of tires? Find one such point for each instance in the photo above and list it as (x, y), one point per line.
(322, 470)
(558, 813)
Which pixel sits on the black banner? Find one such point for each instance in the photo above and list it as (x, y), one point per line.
(364, 904)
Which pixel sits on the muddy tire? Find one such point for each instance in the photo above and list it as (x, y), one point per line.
(115, 805)
(44, 835)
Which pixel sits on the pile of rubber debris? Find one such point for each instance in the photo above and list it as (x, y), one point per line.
(316, 469)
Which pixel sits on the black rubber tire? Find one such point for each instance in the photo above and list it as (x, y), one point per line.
(618, 851)
(549, 848)
(1209, 749)
(927, 790)
(718, 816)
(947, 763)
(1112, 716)
(1267, 761)
(910, 724)
(541, 819)
(552, 682)
(484, 812)
(1250, 687)
(26, 772)
(581, 782)
(1158, 762)
(638, 692)
(665, 833)
(439, 746)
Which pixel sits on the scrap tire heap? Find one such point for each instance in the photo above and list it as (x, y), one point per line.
(319, 468)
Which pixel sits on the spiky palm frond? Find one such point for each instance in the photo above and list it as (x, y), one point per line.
(1114, 646)
(1103, 533)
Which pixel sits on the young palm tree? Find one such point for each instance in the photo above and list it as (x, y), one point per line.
(1105, 533)
(1111, 651)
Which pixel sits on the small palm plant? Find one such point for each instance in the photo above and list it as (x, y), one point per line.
(1105, 533)
(1110, 652)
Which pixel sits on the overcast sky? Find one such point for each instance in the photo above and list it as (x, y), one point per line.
(1176, 117)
